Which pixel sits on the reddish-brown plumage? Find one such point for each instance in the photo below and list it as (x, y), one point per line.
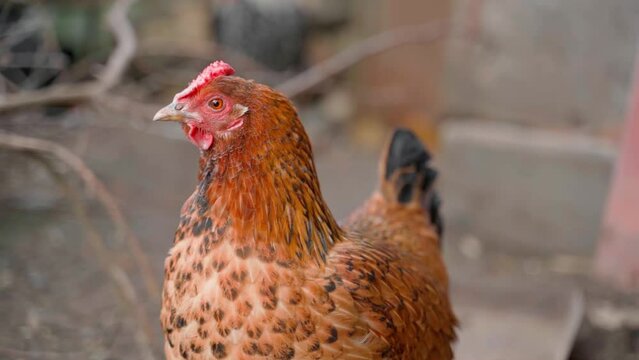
(261, 269)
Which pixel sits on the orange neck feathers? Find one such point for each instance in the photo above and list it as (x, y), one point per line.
(265, 187)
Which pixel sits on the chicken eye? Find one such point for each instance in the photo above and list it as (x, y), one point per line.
(216, 104)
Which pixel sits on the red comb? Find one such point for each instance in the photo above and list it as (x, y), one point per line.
(215, 69)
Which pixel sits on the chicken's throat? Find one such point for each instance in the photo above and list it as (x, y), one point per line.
(202, 138)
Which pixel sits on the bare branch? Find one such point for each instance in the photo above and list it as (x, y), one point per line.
(109, 77)
(414, 34)
(126, 40)
(120, 280)
(95, 186)
(206, 51)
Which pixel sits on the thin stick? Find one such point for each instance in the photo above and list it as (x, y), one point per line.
(106, 259)
(414, 34)
(207, 51)
(110, 76)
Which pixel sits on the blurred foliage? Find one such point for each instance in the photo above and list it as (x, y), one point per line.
(79, 28)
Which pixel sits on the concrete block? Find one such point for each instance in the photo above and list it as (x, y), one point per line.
(516, 318)
(538, 61)
(528, 191)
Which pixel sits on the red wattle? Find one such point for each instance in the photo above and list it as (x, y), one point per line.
(201, 138)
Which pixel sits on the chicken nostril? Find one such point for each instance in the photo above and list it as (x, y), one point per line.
(179, 107)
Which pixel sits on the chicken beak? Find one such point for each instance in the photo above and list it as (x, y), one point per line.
(170, 113)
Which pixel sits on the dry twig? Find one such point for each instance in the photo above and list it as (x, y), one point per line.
(303, 82)
(376, 44)
(206, 51)
(299, 84)
(95, 186)
(106, 259)
(109, 77)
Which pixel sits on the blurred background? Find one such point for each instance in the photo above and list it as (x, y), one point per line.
(526, 104)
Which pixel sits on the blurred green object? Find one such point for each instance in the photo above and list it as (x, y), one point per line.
(80, 28)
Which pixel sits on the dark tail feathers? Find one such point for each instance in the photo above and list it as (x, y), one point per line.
(407, 176)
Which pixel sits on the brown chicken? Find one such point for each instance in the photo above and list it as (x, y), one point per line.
(260, 268)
